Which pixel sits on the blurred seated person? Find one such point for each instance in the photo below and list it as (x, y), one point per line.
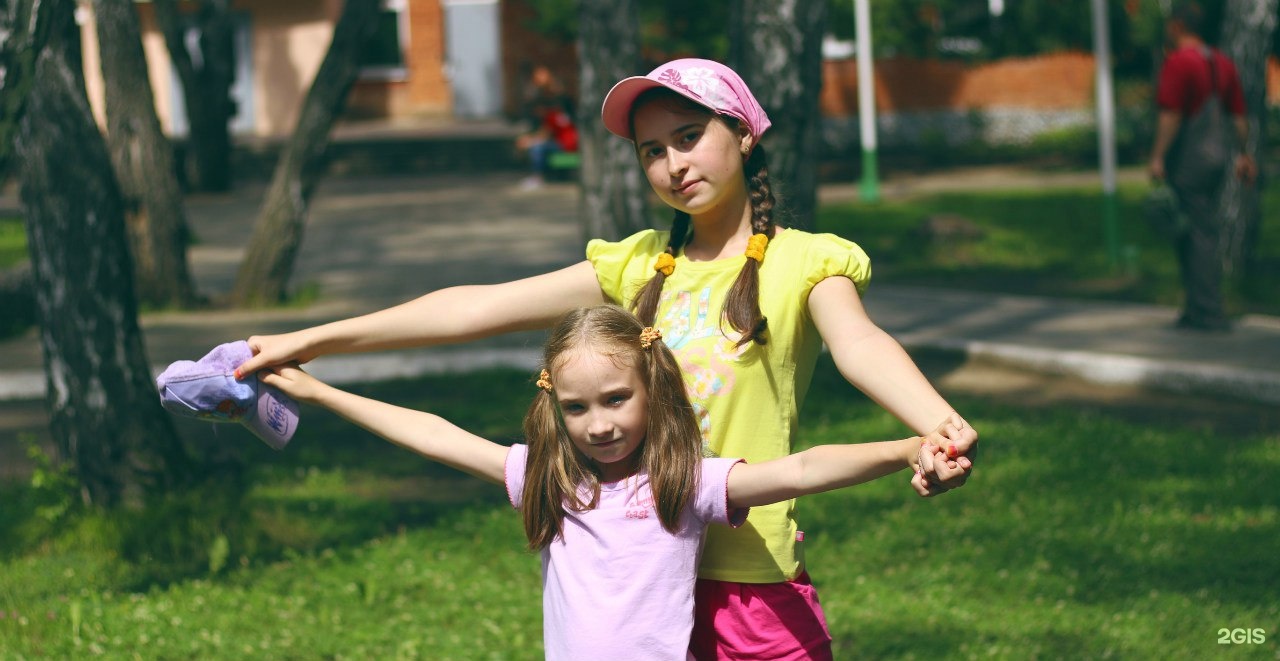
(551, 115)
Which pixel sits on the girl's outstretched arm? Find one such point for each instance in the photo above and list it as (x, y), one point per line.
(455, 314)
(877, 365)
(429, 435)
(827, 467)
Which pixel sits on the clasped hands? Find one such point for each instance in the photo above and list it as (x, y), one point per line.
(946, 457)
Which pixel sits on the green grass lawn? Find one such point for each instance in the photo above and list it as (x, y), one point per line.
(1083, 535)
(13, 242)
(1041, 242)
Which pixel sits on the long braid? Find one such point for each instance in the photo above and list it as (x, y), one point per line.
(646, 303)
(742, 305)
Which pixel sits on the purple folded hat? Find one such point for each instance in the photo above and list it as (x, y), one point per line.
(207, 389)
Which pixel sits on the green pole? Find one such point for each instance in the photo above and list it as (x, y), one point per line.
(1111, 228)
(869, 187)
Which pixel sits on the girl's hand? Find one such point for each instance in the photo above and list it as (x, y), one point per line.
(294, 382)
(934, 473)
(938, 471)
(272, 350)
(958, 440)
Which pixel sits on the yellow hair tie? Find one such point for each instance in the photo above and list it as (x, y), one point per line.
(755, 246)
(648, 335)
(544, 380)
(666, 263)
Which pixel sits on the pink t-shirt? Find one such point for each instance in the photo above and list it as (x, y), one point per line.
(617, 585)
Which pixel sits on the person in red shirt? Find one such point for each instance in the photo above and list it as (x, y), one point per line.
(1192, 76)
(550, 112)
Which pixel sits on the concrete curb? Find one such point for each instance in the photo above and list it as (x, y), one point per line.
(1184, 377)
(1108, 369)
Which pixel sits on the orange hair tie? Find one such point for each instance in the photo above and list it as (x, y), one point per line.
(544, 380)
(666, 263)
(756, 245)
(648, 336)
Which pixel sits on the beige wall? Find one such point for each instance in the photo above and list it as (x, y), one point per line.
(289, 41)
(157, 65)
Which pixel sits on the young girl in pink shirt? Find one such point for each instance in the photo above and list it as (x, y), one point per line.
(612, 484)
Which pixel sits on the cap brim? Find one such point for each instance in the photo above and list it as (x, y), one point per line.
(276, 417)
(616, 110)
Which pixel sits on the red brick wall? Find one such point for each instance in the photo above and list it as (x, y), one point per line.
(1057, 81)
(1273, 82)
(428, 87)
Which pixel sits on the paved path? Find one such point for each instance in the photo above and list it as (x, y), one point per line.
(373, 242)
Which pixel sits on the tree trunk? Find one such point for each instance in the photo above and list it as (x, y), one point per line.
(776, 46)
(25, 26)
(277, 236)
(1247, 28)
(106, 418)
(614, 191)
(155, 214)
(206, 87)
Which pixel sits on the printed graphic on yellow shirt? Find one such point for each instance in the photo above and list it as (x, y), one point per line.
(706, 353)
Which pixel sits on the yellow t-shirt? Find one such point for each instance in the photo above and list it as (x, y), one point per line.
(747, 399)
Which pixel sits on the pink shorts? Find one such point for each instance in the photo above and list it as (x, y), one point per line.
(759, 621)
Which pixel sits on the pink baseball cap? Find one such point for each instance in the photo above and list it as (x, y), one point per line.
(705, 82)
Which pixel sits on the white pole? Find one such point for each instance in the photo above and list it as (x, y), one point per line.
(1106, 126)
(1106, 100)
(870, 188)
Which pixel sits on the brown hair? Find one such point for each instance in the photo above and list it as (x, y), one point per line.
(742, 304)
(558, 476)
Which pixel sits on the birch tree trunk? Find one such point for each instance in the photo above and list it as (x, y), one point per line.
(264, 274)
(106, 418)
(155, 214)
(1247, 29)
(25, 26)
(615, 192)
(776, 46)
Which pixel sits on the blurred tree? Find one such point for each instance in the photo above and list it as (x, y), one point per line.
(155, 215)
(776, 46)
(966, 29)
(102, 401)
(1248, 29)
(25, 26)
(263, 277)
(206, 67)
(666, 28)
(669, 30)
(614, 191)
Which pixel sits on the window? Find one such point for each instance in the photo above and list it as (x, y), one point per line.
(383, 56)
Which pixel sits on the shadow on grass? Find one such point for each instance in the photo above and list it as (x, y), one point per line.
(334, 486)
